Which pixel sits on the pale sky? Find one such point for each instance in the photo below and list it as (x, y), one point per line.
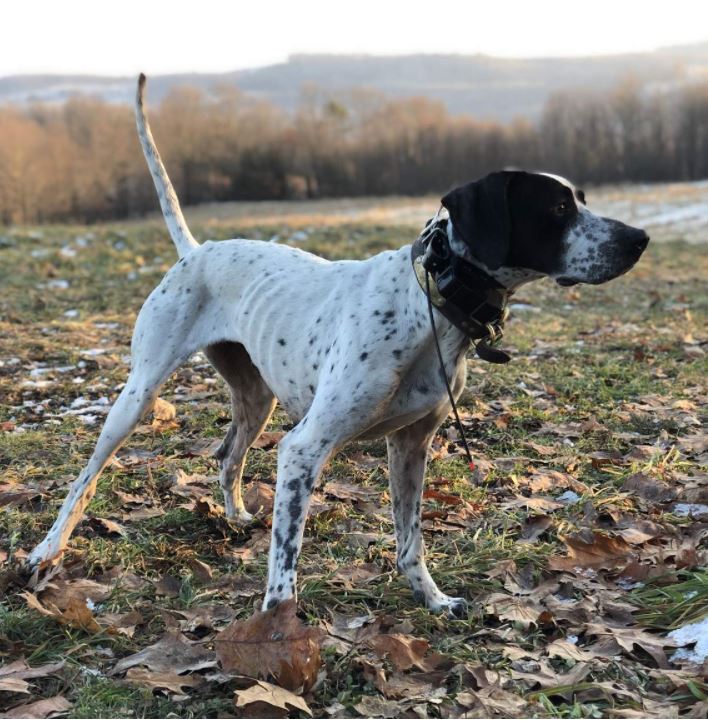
(123, 37)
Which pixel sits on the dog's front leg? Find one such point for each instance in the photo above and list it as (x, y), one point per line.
(301, 456)
(407, 458)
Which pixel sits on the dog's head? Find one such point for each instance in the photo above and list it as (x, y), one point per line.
(539, 222)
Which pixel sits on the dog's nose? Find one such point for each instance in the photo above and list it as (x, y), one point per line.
(635, 238)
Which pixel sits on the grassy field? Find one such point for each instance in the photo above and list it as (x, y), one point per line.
(579, 540)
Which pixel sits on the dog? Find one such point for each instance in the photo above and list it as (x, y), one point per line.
(345, 347)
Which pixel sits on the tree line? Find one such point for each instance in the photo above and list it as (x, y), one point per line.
(81, 161)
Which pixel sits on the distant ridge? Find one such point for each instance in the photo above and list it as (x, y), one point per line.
(480, 85)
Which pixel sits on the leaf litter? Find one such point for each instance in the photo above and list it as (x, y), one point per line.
(579, 540)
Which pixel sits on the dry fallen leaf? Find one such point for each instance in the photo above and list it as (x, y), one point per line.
(566, 650)
(13, 676)
(41, 709)
(171, 681)
(405, 652)
(173, 653)
(272, 643)
(268, 439)
(270, 695)
(75, 614)
(117, 623)
(259, 498)
(601, 552)
(163, 415)
(648, 488)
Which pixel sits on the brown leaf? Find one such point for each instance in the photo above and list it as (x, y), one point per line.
(514, 609)
(405, 652)
(449, 499)
(208, 616)
(549, 480)
(163, 414)
(14, 495)
(173, 653)
(535, 503)
(270, 695)
(75, 614)
(191, 486)
(201, 570)
(534, 526)
(117, 623)
(268, 439)
(602, 552)
(274, 643)
(110, 526)
(648, 488)
(352, 575)
(62, 592)
(371, 707)
(13, 676)
(259, 498)
(627, 638)
(350, 492)
(171, 681)
(566, 650)
(168, 586)
(42, 709)
(541, 449)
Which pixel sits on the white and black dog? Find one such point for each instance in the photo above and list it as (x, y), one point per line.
(345, 347)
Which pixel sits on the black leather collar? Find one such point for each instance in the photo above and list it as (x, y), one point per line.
(463, 293)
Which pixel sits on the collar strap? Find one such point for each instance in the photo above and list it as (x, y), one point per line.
(463, 293)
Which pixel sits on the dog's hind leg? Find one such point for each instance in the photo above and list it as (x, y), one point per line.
(153, 361)
(252, 403)
(407, 458)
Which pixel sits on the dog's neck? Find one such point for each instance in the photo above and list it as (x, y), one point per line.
(511, 278)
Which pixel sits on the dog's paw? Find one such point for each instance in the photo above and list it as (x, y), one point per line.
(240, 518)
(453, 607)
(456, 608)
(44, 555)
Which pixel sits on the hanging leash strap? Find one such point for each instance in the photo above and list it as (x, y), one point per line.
(465, 295)
(470, 461)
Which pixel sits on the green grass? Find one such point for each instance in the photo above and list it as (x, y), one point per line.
(620, 358)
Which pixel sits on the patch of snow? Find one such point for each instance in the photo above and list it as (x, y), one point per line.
(71, 313)
(568, 497)
(571, 639)
(39, 252)
(68, 252)
(628, 584)
(523, 307)
(59, 284)
(88, 419)
(696, 634)
(93, 351)
(36, 384)
(97, 324)
(50, 369)
(690, 509)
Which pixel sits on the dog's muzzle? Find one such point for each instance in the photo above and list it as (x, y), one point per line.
(613, 257)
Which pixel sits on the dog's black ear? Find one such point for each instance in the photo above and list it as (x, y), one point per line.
(480, 216)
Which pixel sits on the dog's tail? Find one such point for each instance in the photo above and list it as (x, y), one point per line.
(171, 210)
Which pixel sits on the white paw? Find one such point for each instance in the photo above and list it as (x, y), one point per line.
(454, 607)
(239, 517)
(44, 554)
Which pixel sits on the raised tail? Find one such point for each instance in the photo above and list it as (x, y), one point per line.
(171, 210)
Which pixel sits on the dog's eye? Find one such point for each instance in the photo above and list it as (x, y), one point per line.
(561, 209)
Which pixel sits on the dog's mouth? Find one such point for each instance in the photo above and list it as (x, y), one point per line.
(567, 281)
